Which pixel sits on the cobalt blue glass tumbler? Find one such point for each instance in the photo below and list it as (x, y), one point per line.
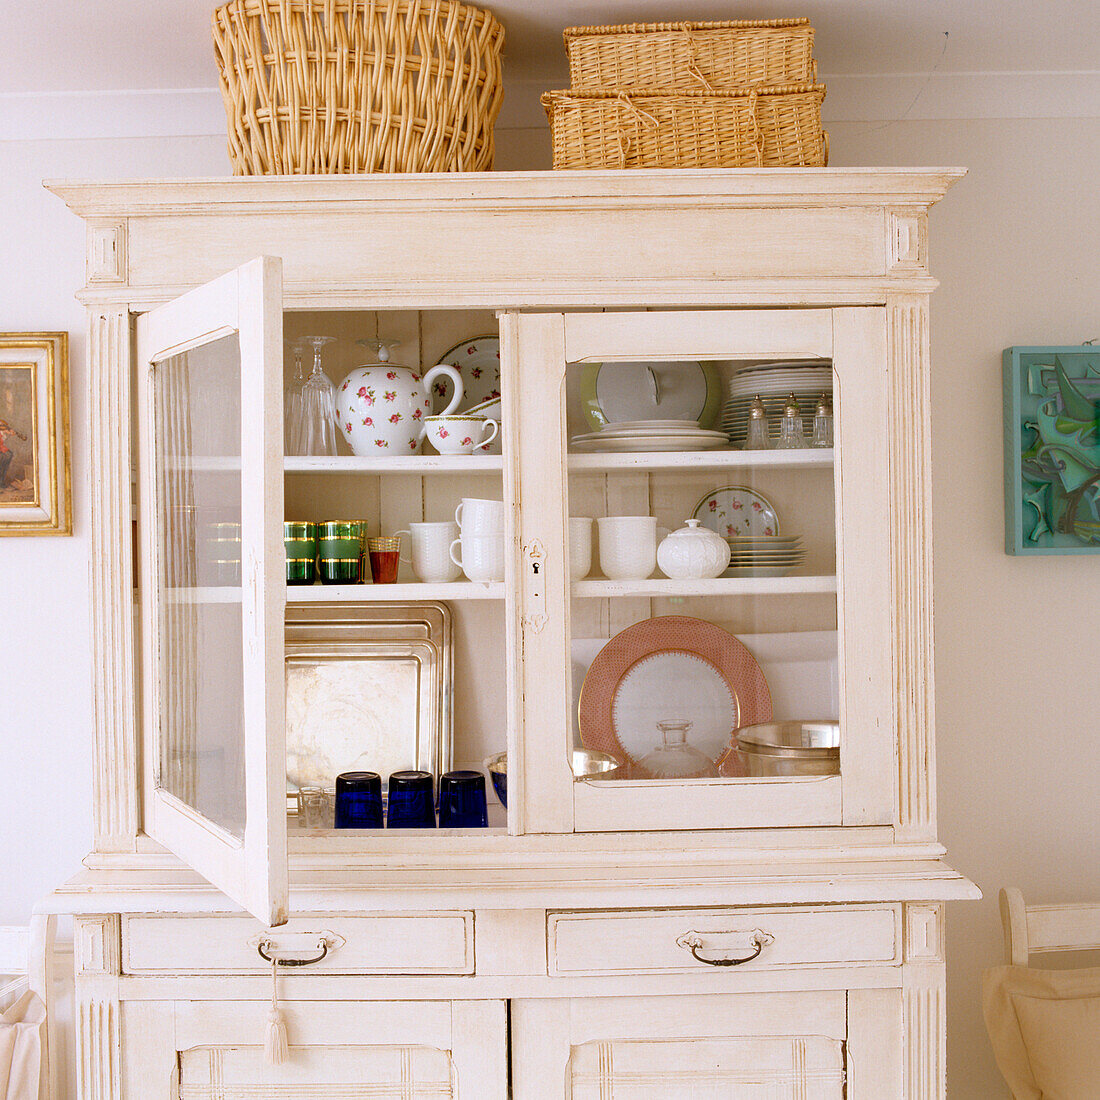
(359, 800)
(412, 801)
(462, 801)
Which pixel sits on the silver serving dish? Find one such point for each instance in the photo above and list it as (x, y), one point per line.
(790, 748)
(368, 688)
(587, 764)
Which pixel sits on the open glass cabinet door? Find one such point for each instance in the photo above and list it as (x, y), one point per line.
(209, 383)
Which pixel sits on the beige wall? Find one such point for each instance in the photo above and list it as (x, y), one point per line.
(1016, 246)
(45, 661)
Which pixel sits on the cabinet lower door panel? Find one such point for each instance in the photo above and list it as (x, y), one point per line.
(341, 1050)
(700, 1069)
(752, 1046)
(351, 1073)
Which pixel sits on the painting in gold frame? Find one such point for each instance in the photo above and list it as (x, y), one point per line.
(35, 477)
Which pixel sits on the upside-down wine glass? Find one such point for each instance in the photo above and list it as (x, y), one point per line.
(292, 402)
(317, 423)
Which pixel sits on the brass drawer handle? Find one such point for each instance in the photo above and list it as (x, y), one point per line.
(693, 942)
(291, 962)
(325, 941)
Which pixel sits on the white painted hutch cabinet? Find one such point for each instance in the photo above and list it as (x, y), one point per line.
(584, 946)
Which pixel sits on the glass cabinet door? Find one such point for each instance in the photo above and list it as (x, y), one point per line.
(706, 624)
(212, 582)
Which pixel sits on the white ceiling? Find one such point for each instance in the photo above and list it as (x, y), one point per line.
(100, 45)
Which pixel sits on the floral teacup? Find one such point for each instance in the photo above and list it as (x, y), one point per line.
(459, 435)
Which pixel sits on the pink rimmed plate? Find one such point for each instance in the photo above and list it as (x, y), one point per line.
(670, 667)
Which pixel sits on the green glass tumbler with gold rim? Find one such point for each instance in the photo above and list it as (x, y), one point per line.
(340, 551)
(300, 541)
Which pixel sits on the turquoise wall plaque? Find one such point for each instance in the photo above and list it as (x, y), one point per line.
(1052, 449)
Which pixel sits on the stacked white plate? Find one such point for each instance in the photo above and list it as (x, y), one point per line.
(649, 435)
(764, 555)
(772, 382)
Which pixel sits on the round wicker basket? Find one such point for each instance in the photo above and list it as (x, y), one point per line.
(323, 86)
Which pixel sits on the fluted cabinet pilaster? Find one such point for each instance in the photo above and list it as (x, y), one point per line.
(115, 792)
(909, 361)
(97, 945)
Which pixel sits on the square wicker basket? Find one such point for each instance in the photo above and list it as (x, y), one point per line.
(746, 128)
(691, 57)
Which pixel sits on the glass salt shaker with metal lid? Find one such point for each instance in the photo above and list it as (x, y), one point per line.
(790, 427)
(822, 435)
(759, 435)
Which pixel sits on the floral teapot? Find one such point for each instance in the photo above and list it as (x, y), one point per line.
(380, 407)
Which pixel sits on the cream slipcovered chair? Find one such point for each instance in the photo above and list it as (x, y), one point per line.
(1045, 1024)
(24, 1057)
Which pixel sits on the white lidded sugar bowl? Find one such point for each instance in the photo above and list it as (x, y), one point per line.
(380, 407)
(693, 553)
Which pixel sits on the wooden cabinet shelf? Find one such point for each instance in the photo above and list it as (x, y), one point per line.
(353, 593)
(807, 459)
(719, 586)
(417, 465)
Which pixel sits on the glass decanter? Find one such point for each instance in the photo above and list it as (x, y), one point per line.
(822, 435)
(317, 423)
(675, 758)
(759, 435)
(292, 402)
(790, 427)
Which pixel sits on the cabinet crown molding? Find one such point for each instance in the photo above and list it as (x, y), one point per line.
(729, 186)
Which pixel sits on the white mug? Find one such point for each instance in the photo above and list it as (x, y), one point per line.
(580, 547)
(480, 517)
(431, 551)
(628, 547)
(459, 435)
(481, 557)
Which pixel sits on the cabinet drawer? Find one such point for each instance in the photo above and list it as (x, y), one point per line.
(382, 943)
(632, 942)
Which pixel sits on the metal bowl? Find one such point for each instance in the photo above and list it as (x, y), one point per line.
(590, 764)
(790, 748)
(587, 764)
(497, 767)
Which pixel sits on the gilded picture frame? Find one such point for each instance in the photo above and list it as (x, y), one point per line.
(35, 464)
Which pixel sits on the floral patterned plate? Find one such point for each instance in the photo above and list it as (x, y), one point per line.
(478, 361)
(734, 510)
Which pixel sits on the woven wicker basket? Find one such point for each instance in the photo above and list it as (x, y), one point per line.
(317, 86)
(748, 128)
(691, 57)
